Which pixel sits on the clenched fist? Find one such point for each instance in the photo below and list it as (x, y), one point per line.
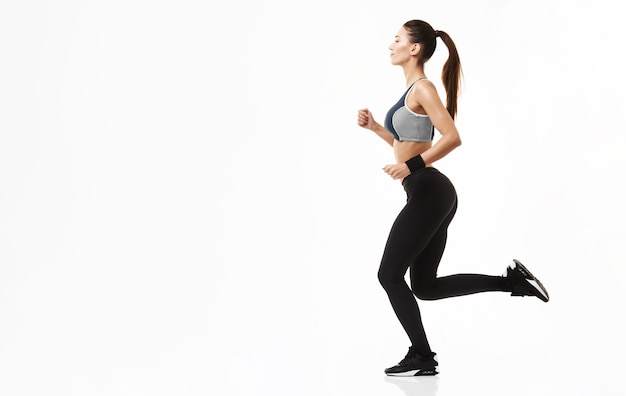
(397, 171)
(365, 119)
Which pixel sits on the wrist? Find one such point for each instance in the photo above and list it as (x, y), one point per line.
(416, 163)
(378, 128)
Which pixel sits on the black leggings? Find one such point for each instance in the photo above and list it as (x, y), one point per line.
(417, 240)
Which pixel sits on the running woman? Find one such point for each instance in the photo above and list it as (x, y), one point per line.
(418, 236)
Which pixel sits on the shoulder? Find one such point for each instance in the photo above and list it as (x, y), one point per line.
(423, 88)
(424, 91)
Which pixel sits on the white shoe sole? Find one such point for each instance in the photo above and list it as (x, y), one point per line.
(530, 278)
(416, 373)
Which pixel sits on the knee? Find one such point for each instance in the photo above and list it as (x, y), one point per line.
(423, 291)
(387, 279)
(383, 279)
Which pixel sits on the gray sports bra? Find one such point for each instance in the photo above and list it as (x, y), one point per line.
(406, 125)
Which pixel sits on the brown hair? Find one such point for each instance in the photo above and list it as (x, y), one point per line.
(423, 34)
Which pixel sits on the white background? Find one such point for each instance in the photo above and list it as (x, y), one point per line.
(187, 206)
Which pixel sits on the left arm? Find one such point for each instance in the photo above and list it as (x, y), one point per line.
(426, 95)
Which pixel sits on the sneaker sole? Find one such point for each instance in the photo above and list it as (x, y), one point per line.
(542, 293)
(415, 373)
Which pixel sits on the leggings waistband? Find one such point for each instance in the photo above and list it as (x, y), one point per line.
(420, 172)
(427, 179)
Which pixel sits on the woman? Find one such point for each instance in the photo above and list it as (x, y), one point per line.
(418, 236)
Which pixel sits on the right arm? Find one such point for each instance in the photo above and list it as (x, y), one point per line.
(366, 120)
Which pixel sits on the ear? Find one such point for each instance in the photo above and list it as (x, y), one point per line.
(415, 49)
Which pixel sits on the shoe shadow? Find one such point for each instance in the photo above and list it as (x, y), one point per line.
(416, 386)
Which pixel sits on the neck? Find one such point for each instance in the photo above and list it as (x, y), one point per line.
(413, 73)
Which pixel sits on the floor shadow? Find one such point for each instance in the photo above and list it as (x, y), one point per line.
(416, 386)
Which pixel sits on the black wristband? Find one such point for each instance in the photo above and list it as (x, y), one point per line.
(416, 163)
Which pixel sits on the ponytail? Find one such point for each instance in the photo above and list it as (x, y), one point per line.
(422, 33)
(451, 74)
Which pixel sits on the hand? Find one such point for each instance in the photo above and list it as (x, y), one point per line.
(397, 171)
(365, 119)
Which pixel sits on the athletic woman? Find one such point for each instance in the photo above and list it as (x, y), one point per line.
(418, 236)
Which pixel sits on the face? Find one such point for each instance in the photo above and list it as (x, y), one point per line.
(402, 49)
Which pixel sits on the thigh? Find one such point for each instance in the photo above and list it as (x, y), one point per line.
(424, 266)
(401, 247)
(413, 230)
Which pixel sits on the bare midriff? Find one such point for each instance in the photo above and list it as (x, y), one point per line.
(404, 151)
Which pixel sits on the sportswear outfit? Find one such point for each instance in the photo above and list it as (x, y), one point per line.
(417, 241)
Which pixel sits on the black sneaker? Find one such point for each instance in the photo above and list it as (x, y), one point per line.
(415, 364)
(524, 283)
